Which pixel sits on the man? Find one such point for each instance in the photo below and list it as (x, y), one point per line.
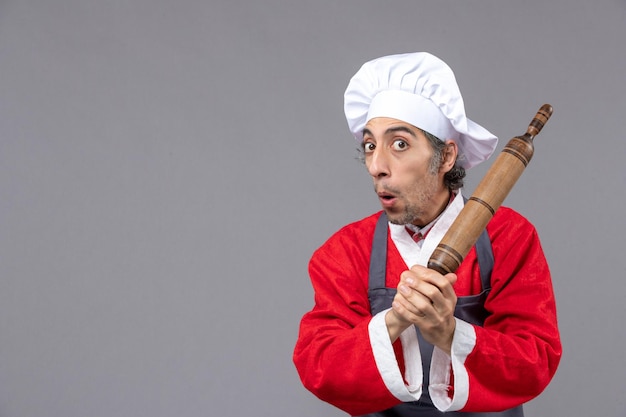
(389, 337)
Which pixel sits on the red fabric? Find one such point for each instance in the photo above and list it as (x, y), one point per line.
(516, 353)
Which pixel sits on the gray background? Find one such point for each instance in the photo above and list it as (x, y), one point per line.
(168, 167)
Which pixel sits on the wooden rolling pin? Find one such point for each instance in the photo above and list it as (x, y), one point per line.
(487, 198)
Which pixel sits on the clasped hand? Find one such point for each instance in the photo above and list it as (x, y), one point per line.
(426, 299)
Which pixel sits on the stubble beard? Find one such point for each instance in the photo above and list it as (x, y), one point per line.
(415, 210)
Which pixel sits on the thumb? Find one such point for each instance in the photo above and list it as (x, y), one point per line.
(451, 277)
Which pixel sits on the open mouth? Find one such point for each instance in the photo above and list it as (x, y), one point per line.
(387, 199)
(384, 195)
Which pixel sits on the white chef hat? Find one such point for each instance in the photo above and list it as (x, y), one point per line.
(420, 89)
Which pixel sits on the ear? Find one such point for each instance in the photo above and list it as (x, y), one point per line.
(450, 153)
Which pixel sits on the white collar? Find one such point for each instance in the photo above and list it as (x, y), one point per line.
(419, 253)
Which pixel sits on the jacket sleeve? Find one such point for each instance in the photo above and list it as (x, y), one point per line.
(341, 347)
(513, 357)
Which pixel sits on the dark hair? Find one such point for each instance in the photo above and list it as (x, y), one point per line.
(453, 179)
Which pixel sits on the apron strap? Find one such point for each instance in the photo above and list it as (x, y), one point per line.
(378, 257)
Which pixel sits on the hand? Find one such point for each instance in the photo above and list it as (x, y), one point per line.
(427, 299)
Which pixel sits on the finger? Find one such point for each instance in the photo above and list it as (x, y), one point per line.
(420, 273)
(451, 277)
(427, 289)
(447, 288)
(409, 275)
(419, 269)
(406, 311)
(434, 297)
(443, 283)
(413, 301)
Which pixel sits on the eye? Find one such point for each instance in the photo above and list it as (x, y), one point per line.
(368, 147)
(399, 145)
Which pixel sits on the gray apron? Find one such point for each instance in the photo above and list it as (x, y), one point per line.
(470, 309)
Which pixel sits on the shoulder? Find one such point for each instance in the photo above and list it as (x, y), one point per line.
(343, 260)
(507, 221)
(511, 233)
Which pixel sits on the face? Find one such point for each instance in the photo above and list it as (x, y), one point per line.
(398, 157)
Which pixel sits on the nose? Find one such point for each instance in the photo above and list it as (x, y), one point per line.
(378, 164)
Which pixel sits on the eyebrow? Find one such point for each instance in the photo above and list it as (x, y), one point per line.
(395, 129)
